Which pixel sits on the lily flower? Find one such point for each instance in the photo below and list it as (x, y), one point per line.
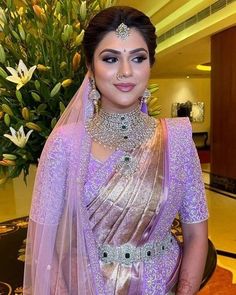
(21, 76)
(18, 137)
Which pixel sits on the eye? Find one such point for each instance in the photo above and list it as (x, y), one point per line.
(110, 59)
(139, 59)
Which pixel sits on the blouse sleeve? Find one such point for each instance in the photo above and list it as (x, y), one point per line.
(49, 187)
(47, 205)
(194, 206)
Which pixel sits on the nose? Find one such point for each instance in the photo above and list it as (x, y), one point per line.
(125, 69)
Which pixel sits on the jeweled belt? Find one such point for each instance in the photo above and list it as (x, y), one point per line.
(127, 254)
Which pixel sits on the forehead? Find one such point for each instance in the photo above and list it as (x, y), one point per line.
(112, 41)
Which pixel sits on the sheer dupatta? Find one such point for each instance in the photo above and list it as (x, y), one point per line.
(61, 254)
(63, 236)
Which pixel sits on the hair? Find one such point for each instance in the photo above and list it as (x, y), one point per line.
(109, 19)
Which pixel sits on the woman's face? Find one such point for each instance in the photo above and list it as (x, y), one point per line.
(127, 57)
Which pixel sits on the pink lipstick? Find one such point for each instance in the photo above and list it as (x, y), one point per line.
(125, 87)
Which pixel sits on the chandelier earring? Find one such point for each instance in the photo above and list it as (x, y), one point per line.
(144, 101)
(94, 95)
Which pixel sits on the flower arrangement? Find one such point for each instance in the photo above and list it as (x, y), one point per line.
(41, 67)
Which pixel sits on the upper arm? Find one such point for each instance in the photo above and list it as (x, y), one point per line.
(50, 182)
(194, 206)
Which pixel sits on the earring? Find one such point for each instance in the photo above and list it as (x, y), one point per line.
(144, 100)
(94, 95)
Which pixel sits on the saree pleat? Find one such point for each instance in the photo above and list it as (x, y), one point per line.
(124, 208)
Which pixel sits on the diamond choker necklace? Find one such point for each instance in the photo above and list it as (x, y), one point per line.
(123, 131)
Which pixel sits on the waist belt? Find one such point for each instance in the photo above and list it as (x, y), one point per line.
(127, 253)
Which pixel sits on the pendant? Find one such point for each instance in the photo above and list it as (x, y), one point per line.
(127, 165)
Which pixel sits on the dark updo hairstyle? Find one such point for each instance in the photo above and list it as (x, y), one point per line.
(109, 19)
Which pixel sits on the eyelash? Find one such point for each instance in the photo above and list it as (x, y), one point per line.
(140, 58)
(110, 59)
(115, 59)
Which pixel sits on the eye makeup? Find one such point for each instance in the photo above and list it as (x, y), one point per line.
(113, 59)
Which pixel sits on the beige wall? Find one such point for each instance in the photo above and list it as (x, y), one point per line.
(181, 90)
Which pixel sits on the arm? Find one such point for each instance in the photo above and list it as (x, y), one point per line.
(194, 257)
(41, 266)
(193, 214)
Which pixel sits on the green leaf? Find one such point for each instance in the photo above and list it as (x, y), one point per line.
(41, 108)
(3, 73)
(15, 171)
(62, 106)
(2, 54)
(19, 96)
(37, 84)
(9, 4)
(14, 33)
(44, 91)
(53, 122)
(55, 89)
(35, 96)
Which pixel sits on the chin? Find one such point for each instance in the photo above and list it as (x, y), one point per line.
(122, 104)
(126, 106)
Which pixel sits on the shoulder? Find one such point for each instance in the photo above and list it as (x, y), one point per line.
(178, 127)
(178, 123)
(178, 133)
(61, 140)
(65, 134)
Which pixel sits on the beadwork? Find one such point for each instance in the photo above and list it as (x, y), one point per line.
(123, 131)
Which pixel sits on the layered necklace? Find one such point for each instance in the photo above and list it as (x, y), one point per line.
(122, 131)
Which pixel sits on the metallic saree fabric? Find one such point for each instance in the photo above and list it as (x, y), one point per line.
(123, 210)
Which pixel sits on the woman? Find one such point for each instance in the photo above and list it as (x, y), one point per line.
(111, 180)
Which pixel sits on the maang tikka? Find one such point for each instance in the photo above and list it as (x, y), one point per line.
(94, 95)
(144, 100)
(122, 31)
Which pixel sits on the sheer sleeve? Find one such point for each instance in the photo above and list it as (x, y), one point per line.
(46, 209)
(194, 207)
(49, 187)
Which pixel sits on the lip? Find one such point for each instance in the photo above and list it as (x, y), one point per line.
(125, 87)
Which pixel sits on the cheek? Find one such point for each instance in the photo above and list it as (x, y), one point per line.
(143, 72)
(103, 78)
(103, 71)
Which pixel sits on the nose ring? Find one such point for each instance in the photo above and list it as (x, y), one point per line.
(119, 76)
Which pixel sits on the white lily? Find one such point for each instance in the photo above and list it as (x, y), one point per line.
(22, 75)
(18, 137)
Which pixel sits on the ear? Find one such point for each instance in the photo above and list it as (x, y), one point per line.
(89, 68)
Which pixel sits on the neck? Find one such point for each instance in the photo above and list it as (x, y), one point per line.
(124, 131)
(111, 109)
(109, 112)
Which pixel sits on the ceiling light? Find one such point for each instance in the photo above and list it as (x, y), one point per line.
(204, 68)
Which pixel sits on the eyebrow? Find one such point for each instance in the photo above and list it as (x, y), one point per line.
(119, 52)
